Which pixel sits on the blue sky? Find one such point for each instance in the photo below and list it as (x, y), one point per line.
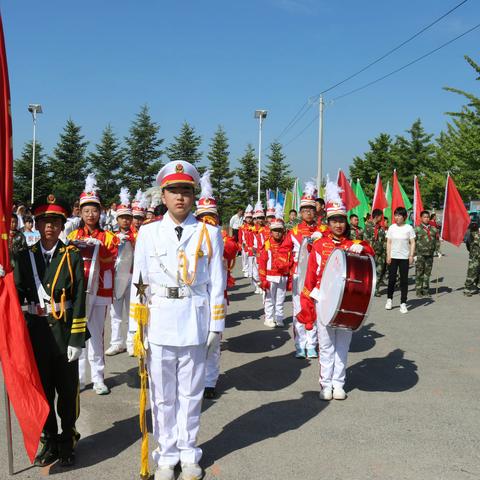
(214, 62)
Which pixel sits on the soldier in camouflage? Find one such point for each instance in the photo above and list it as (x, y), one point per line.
(375, 235)
(473, 246)
(427, 245)
(356, 233)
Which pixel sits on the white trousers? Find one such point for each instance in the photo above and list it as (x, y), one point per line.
(244, 262)
(119, 312)
(177, 379)
(303, 338)
(274, 300)
(94, 346)
(333, 352)
(212, 370)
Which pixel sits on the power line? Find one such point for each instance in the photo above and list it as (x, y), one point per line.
(385, 55)
(302, 111)
(301, 131)
(431, 52)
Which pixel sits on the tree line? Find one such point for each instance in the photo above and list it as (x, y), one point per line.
(455, 150)
(135, 162)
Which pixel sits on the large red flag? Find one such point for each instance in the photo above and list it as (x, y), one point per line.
(417, 202)
(20, 371)
(379, 199)
(348, 196)
(397, 199)
(455, 216)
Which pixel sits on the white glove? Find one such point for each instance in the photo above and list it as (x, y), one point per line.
(2, 271)
(73, 353)
(316, 235)
(211, 339)
(92, 241)
(356, 248)
(439, 254)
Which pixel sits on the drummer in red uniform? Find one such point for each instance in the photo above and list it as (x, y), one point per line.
(121, 300)
(333, 342)
(260, 234)
(245, 241)
(91, 233)
(138, 210)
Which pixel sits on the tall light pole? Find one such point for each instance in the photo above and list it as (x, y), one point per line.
(320, 145)
(260, 114)
(34, 108)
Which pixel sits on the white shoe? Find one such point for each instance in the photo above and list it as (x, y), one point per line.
(339, 393)
(403, 308)
(164, 473)
(130, 351)
(326, 394)
(388, 305)
(258, 290)
(100, 388)
(114, 350)
(269, 323)
(191, 471)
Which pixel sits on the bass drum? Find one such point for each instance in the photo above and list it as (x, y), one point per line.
(303, 254)
(346, 290)
(123, 269)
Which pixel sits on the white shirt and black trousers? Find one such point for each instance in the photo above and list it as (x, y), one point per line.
(400, 237)
(180, 319)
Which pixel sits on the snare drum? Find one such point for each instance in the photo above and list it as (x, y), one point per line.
(346, 290)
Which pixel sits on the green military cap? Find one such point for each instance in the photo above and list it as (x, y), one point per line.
(50, 206)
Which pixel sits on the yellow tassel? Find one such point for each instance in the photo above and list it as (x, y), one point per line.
(144, 469)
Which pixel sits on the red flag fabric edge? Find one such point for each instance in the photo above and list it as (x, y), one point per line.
(397, 199)
(455, 216)
(348, 196)
(379, 198)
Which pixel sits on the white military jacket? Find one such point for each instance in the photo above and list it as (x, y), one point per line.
(164, 261)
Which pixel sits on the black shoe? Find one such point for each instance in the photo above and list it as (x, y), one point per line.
(209, 393)
(378, 294)
(47, 455)
(67, 459)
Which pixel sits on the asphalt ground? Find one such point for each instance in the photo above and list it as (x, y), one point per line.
(412, 411)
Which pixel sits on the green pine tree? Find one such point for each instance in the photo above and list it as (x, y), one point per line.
(68, 162)
(22, 174)
(107, 162)
(277, 173)
(222, 176)
(185, 146)
(245, 188)
(143, 152)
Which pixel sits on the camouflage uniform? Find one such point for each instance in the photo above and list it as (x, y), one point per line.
(375, 235)
(427, 244)
(16, 244)
(356, 233)
(473, 246)
(291, 223)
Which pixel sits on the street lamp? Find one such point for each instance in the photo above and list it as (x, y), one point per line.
(34, 108)
(260, 114)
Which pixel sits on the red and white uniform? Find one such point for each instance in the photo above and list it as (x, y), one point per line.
(274, 262)
(96, 322)
(245, 240)
(333, 342)
(303, 338)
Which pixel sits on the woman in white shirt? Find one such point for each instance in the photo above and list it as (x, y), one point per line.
(400, 251)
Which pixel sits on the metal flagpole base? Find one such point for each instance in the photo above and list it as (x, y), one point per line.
(8, 424)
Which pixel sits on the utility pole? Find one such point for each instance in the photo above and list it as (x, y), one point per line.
(34, 109)
(261, 115)
(320, 145)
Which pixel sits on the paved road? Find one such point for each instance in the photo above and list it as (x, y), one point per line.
(412, 411)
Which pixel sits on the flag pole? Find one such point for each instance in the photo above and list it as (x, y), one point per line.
(8, 425)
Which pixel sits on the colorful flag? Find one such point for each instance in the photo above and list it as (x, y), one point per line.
(417, 202)
(287, 205)
(379, 198)
(363, 207)
(399, 200)
(280, 198)
(20, 371)
(348, 195)
(455, 216)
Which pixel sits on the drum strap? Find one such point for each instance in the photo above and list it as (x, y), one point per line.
(92, 298)
(42, 294)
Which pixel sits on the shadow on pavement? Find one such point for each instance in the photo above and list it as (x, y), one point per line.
(419, 302)
(393, 373)
(234, 319)
(130, 377)
(259, 341)
(267, 421)
(365, 338)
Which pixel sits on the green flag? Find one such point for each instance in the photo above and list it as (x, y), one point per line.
(288, 205)
(388, 195)
(363, 208)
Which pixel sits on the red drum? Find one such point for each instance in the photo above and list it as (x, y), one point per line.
(346, 290)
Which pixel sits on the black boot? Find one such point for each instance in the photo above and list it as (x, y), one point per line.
(209, 393)
(48, 453)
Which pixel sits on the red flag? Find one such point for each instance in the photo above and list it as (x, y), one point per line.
(397, 199)
(417, 202)
(379, 199)
(455, 216)
(18, 362)
(348, 196)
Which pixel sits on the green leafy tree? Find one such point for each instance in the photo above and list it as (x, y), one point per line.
(68, 162)
(186, 146)
(277, 173)
(143, 152)
(22, 171)
(245, 187)
(107, 162)
(222, 176)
